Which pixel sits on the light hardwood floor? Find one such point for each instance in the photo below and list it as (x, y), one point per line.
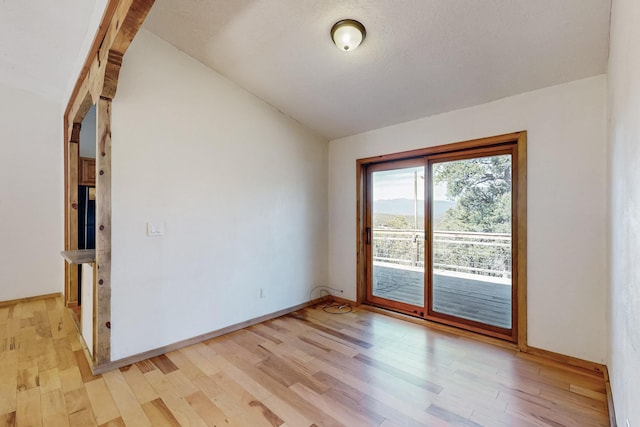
(309, 368)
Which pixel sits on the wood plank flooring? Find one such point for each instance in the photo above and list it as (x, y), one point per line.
(477, 300)
(482, 301)
(309, 368)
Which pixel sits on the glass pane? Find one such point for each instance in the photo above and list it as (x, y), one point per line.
(397, 235)
(472, 239)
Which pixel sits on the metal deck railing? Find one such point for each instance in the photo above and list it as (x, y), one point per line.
(482, 254)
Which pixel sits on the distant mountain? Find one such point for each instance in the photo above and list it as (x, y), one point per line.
(397, 207)
(405, 207)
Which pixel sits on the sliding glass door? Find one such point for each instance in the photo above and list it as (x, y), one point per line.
(395, 235)
(471, 222)
(440, 238)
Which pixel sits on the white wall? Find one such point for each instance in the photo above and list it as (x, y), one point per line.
(624, 202)
(566, 264)
(241, 190)
(93, 22)
(88, 134)
(31, 195)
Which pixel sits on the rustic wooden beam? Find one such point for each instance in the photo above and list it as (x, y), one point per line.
(101, 76)
(111, 74)
(76, 117)
(97, 84)
(103, 233)
(105, 22)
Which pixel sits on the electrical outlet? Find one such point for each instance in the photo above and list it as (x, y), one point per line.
(155, 229)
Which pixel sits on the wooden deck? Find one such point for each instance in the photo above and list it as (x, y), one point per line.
(478, 300)
(358, 369)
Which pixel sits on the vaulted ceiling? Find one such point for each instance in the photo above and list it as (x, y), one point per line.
(43, 43)
(420, 57)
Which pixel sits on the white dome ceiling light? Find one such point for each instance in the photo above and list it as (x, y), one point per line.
(348, 34)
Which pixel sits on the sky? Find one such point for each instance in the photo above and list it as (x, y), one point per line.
(399, 184)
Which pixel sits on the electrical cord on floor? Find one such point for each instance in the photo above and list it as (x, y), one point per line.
(334, 307)
(331, 306)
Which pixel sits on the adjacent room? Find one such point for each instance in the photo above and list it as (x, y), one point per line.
(320, 213)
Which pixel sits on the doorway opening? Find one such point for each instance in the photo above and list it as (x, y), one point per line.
(96, 85)
(86, 213)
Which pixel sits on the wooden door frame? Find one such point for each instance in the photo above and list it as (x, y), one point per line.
(97, 85)
(510, 149)
(368, 218)
(520, 211)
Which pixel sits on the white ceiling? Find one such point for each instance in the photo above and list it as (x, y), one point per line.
(43, 43)
(420, 57)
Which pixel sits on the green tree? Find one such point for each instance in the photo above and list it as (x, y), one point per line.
(398, 223)
(481, 188)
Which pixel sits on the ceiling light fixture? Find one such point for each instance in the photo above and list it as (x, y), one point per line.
(348, 34)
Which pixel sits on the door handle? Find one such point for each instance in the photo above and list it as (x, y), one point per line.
(368, 238)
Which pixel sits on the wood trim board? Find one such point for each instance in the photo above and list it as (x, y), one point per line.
(29, 299)
(610, 405)
(595, 367)
(521, 239)
(445, 148)
(104, 367)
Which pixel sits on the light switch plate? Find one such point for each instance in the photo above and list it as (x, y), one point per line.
(155, 229)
